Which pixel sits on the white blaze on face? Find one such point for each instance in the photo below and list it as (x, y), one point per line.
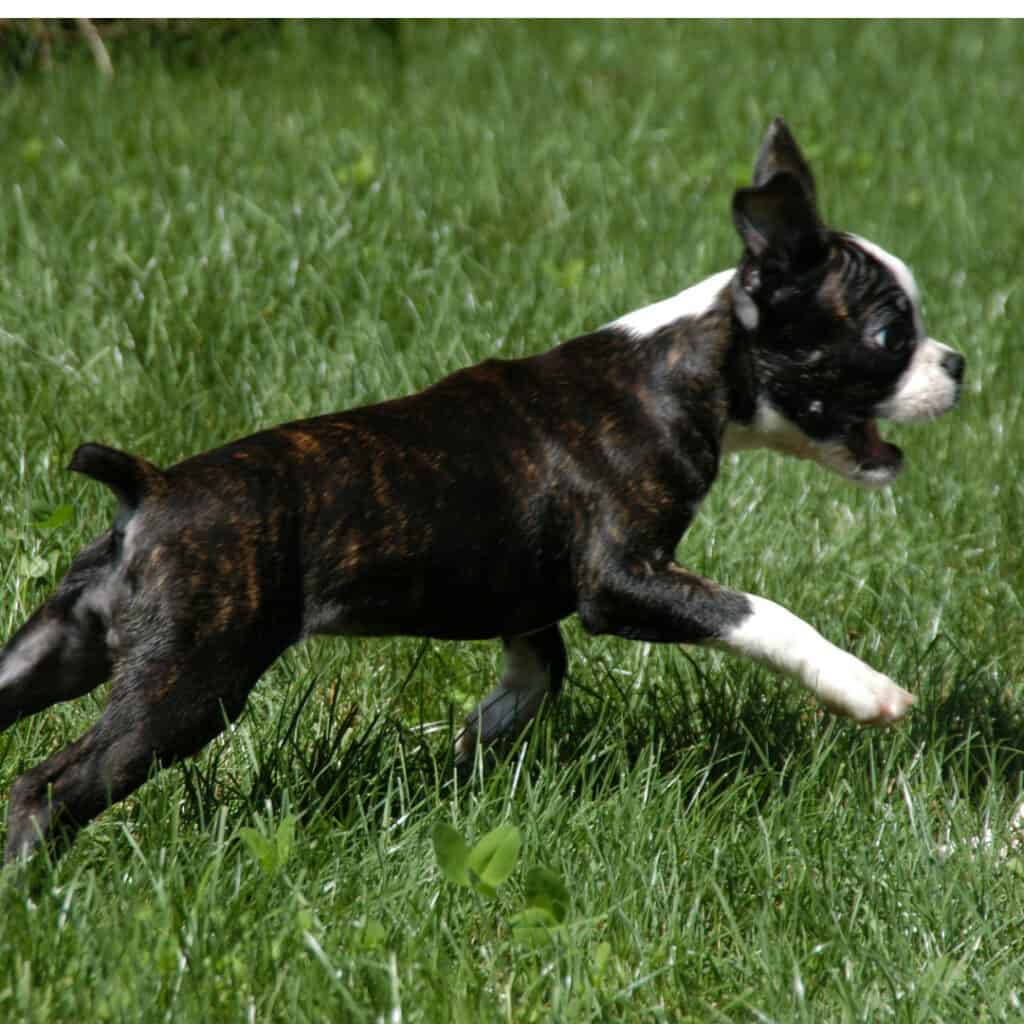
(900, 271)
(926, 389)
(692, 302)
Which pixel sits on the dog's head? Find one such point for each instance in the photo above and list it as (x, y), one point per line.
(833, 323)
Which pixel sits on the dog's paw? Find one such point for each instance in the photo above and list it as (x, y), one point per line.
(850, 688)
(843, 683)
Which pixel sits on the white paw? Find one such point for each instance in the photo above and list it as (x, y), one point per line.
(848, 687)
(843, 683)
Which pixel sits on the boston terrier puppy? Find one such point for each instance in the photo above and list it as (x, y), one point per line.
(495, 503)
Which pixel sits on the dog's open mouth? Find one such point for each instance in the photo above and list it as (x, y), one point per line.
(876, 459)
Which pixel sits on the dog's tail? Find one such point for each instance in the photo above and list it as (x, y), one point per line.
(128, 476)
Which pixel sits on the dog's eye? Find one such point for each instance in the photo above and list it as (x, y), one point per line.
(892, 337)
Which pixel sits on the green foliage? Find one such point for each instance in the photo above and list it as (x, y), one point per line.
(545, 891)
(271, 850)
(271, 221)
(62, 515)
(547, 904)
(489, 863)
(452, 854)
(483, 867)
(492, 859)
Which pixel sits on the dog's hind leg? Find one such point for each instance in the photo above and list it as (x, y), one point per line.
(535, 666)
(157, 714)
(61, 651)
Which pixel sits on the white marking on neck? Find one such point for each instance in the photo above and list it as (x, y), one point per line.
(746, 308)
(902, 273)
(768, 428)
(692, 302)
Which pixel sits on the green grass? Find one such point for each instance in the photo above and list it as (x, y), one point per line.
(299, 219)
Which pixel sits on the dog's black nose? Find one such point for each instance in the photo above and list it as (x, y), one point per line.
(953, 363)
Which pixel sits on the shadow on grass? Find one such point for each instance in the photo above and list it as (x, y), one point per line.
(978, 722)
(325, 759)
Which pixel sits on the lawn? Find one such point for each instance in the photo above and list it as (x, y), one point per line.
(241, 228)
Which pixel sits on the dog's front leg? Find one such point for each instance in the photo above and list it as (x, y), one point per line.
(668, 604)
(843, 683)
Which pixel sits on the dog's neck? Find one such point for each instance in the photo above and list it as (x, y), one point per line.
(730, 320)
(691, 303)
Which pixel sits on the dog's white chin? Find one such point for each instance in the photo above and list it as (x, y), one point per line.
(844, 461)
(874, 461)
(863, 457)
(876, 476)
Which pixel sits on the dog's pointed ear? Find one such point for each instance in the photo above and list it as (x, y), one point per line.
(778, 219)
(780, 153)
